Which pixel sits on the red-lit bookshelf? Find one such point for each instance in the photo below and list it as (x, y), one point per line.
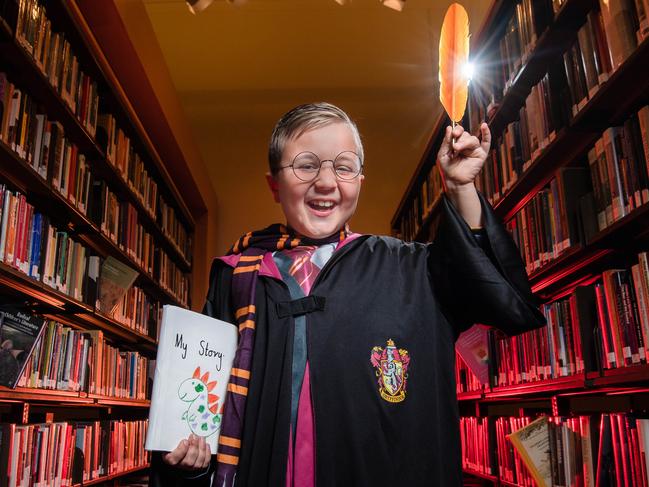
(79, 172)
(565, 93)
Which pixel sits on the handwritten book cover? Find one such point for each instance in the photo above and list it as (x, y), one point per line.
(193, 363)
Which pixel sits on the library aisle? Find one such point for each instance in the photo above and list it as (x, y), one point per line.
(134, 151)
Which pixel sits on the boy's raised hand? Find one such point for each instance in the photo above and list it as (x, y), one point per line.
(192, 454)
(460, 162)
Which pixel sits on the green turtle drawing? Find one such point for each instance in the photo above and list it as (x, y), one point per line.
(202, 414)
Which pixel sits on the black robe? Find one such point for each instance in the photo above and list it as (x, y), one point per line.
(376, 289)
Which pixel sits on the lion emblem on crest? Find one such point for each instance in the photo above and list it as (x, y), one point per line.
(391, 366)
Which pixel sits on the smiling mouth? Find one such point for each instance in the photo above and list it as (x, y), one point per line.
(322, 206)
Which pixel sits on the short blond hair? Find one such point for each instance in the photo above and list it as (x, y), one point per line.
(301, 119)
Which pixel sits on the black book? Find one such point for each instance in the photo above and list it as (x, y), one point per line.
(19, 331)
(585, 304)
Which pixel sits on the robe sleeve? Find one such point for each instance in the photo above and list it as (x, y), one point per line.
(483, 279)
(217, 305)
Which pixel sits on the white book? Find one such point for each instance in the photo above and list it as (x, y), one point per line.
(193, 363)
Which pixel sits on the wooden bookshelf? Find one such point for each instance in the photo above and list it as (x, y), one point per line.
(556, 38)
(108, 478)
(475, 473)
(35, 82)
(67, 398)
(24, 405)
(27, 394)
(615, 98)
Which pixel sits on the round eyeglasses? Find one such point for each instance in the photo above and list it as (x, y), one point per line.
(306, 166)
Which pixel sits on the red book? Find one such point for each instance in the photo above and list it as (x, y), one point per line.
(617, 451)
(606, 329)
(625, 453)
(20, 222)
(634, 452)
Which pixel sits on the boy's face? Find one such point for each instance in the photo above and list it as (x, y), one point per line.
(304, 203)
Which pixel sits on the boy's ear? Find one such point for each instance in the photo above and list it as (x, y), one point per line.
(273, 186)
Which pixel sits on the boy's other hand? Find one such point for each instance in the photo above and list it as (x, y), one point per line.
(191, 454)
(461, 161)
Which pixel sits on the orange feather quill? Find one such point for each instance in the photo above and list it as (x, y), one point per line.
(453, 56)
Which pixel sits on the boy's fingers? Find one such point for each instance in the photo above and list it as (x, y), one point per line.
(177, 454)
(200, 457)
(445, 147)
(466, 142)
(206, 455)
(192, 453)
(486, 137)
(458, 130)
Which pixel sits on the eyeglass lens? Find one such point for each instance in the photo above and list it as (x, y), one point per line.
(306, 165)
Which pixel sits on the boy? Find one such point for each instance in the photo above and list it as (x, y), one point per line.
(344, 373)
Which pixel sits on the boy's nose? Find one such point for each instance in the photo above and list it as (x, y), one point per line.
(327, 175)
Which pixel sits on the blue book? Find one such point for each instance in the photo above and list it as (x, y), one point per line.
(35, 252)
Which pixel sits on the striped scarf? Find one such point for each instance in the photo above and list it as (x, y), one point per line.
(252, 247)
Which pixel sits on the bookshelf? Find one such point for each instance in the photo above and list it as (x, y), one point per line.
(88, 375)
(558, 112)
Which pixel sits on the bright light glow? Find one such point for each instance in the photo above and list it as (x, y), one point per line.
(468, 70)
(394, 4)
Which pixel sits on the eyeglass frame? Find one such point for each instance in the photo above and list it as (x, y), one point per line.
(322, 161)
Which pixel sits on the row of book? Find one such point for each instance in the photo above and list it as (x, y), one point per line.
(611, 32)
(568, 450)
(28, 131)
(68, 359)
(465, 378)
(551, 223)
(580, 201)
(55, 57)
(173, 228)
(589, 451)
(619, 169)
(474, 437)
(528, 22)
(131, 168)
(585, 69)
(422, 204)
(119, 222)
(31, 243)
(171, 278)
(588, 62)
(43, 145)
(601, 325)
(138, 311)
(569, 83)
(69, 453)
(121, 154)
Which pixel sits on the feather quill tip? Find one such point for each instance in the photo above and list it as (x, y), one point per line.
(453, 57)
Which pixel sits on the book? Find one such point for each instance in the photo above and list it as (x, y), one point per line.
(473, 347)
(70, 452)
(19, 331)
(192, 370)
(533, 445)
(114, 280)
